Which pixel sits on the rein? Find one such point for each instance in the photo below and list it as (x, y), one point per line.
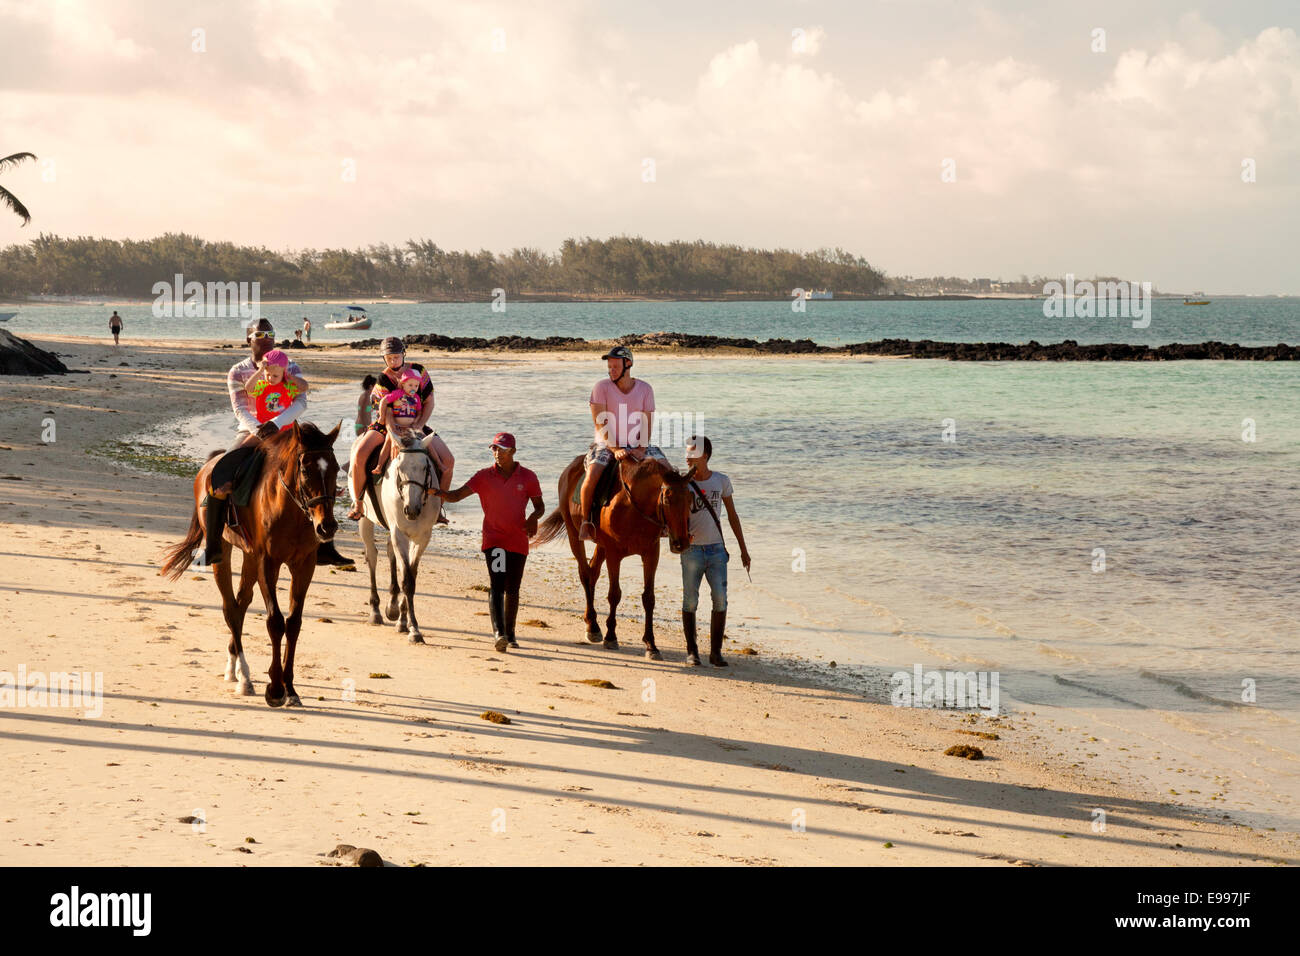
(417, 448)
(658, 520)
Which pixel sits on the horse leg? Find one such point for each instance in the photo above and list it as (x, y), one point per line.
(615, 595)
(238, 664)
(372, 559)
(587, 576)
(267, 576)
(649, 562)
(299, 580)
(409, 564)
(393, 608)
(230, 610)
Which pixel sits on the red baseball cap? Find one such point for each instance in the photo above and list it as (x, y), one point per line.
(503, 440)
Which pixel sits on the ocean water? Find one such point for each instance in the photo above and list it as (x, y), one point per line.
(880, 545)
(1245, 321)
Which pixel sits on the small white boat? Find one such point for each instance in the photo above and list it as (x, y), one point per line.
(353, 317)
(822, 295)
(6, 316)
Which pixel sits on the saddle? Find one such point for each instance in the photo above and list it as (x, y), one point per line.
(607, 486)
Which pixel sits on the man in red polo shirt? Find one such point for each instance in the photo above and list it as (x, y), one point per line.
(503, 490)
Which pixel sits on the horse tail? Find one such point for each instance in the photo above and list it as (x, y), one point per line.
(180, 557)
(550, 529)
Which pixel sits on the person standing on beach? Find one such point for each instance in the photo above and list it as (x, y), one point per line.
(249, 432)
(622, 408)
(707, 556)
(502, 491)
(115, 325)
(365, 410)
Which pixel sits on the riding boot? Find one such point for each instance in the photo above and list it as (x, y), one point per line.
(214, 514)
(688, 628)
(512, 614)
(327, 554)
(717, 629)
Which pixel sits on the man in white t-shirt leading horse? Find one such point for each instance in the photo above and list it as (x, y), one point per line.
(622, 408)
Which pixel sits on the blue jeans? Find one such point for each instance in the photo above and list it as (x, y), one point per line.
(704, 561)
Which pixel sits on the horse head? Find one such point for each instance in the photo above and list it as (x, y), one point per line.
(676, 503)
(312, 453)
(412, 474)
(664, 496)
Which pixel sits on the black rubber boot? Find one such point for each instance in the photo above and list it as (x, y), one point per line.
(717, 630)
(512, 615)
(692, 648)
(496, 605)
(214, 514)
(327, 554)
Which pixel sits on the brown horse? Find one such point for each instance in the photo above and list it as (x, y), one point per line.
(290, 511)
(652, 498)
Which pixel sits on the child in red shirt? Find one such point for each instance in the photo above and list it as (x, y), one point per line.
(273, 388)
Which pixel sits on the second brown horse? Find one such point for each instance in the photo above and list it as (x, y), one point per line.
(651, 499)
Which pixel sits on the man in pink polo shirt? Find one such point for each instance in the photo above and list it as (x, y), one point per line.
(622, 408)
(503, 490)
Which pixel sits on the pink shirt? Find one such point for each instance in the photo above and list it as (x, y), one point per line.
(624, 413)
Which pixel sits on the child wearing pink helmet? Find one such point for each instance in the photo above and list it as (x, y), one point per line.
(398, 410)
(273, 388)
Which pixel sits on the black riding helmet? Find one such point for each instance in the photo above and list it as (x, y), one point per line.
(393, 346)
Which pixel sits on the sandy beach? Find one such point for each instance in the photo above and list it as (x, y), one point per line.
(766, 763)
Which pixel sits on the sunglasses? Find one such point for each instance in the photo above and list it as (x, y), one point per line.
(262, 335)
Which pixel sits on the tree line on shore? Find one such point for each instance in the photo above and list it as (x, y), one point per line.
(621, 265)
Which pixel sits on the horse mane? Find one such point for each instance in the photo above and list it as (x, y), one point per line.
(282, 444)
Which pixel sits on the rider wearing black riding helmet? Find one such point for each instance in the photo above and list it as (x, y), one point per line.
(622, 408)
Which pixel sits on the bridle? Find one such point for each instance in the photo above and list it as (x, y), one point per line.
(659, 520)
(417, 448)
(298, 497)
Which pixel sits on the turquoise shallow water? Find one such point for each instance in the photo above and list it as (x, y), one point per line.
(1245, 321)
(980, 553)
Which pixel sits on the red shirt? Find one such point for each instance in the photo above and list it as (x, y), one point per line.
(503, 500)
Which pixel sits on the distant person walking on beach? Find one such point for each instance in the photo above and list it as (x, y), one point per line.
(306, 329)
(622, 408)
(365, 410)
(115, 325)
(707, 556)
(502, 491)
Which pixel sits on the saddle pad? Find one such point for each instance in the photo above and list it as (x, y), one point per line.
(607, 486)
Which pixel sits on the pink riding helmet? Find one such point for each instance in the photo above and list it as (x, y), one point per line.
(276, 357)
(409, 374)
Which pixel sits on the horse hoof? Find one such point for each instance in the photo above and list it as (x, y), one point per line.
(273, 701)
(375, 618)
(415, 638)
(610, 644)
(401, 627)
(230, 672)
(293, 701)
(246, 689)
(692, 660)
(595, 637)
(391, 612)
(653, 655)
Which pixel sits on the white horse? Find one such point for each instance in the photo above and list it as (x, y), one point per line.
(410, 512)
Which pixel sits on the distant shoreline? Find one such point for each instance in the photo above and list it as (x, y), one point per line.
(1032, 351)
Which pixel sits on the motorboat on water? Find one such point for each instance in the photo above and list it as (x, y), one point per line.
(6, 316)
(352, 317)
(824, 294)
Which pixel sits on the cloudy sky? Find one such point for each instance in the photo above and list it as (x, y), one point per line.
(298, 123)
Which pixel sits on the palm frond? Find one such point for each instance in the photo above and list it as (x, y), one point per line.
(9, 199)
(14, 160)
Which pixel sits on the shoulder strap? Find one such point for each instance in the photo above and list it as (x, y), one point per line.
(705, 499)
